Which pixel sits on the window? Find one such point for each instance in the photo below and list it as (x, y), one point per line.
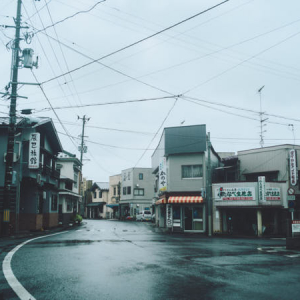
(124, 176)
(128, 176)
(193, 171)
(129, 190)
(115, 190)
(54, 203)
(141, 176)
(100, 194)
(95, 194)
(75, 179)
(124, 190)
(69, 205)
(138, 192)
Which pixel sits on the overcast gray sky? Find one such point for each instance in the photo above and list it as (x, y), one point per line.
(215, 61)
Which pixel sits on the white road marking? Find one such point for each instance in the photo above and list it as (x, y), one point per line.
(16, 286)
(293, 255)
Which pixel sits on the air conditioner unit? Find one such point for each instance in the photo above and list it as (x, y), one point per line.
(16, 157)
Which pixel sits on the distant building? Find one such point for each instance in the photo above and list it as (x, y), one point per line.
(136, 191)
(34, 202)
(69, 197)
(97, 208)
(86, 194)
(114, 196)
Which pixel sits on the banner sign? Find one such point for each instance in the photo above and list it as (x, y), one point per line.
(262, 188)
(293, 167)
(169, 215)
(236, 193)
(163, 175)
(273, 193)
(34, 151)
(296, 226)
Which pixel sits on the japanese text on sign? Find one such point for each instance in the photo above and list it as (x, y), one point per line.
(293, 167)
(34, 151)
(236, 193)
(162, 176)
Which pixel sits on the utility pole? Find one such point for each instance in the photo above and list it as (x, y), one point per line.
(209, 186)
(12, 125)
(82, 149)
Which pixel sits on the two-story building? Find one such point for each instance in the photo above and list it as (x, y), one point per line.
(69, 197)
(180, 164)
(114, 196)
(136, 191)
(34, 203)
(97, 208)
(254, 195)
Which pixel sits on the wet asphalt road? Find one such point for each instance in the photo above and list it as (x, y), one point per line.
(129, 260)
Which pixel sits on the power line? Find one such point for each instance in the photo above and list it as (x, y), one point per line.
(72, 16)
(112, 103)
(240, 63)
(241, 108)
(53, 109)
(138, 42)
(163, 122)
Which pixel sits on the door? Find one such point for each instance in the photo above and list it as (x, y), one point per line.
(60, 215)
(188, 218)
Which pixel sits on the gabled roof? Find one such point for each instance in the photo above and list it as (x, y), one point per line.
(101, 186)
(44, 125)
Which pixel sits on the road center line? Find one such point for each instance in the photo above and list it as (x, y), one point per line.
(16, 286)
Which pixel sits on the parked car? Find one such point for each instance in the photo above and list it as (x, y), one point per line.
(144, 215)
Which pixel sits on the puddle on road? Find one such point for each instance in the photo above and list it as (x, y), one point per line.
(86, 242)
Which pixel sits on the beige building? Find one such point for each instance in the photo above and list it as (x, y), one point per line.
(97, 208)
(114, 196)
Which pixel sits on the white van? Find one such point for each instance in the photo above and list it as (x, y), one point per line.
(144, 215)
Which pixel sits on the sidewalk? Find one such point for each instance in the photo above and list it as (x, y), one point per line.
(31, 234)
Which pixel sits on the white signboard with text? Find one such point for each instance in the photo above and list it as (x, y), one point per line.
(34, 151)
(235, 193)
(169, 215)
(262, 188)
(293, 167)
(163, 175)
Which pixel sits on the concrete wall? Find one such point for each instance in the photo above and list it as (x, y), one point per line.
(175, 182)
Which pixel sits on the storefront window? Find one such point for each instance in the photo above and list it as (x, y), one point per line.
(176, 212)
(198, 218)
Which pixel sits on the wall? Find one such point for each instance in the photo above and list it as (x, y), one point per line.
(174, 177)
(264, 160)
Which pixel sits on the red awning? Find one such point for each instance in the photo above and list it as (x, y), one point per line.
(185, 199)
(161, 201)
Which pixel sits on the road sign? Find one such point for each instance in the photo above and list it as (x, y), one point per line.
(291, 197)
(291, 209)
(291, 191)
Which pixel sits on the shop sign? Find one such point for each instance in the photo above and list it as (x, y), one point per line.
(293, 167)
(273, 193)
(262, 188)
(169, 215)
(296, 226)
(34, 151)
(236, 193)
(163, 175)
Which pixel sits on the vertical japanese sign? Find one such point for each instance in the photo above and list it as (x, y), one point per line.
(34, 151)
(293, 167)
(163, 175)
(262, 188)
(169, 215)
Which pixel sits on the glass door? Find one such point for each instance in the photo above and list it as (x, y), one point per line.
(198, 223)
(188, 218)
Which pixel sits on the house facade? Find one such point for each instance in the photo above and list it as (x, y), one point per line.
(34, 201)
(69, 197)
(114, 196)
(180, 163)
(97, 208)
(136, 191)
(257, 189)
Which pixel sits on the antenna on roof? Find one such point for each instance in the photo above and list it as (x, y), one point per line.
(261, 113)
